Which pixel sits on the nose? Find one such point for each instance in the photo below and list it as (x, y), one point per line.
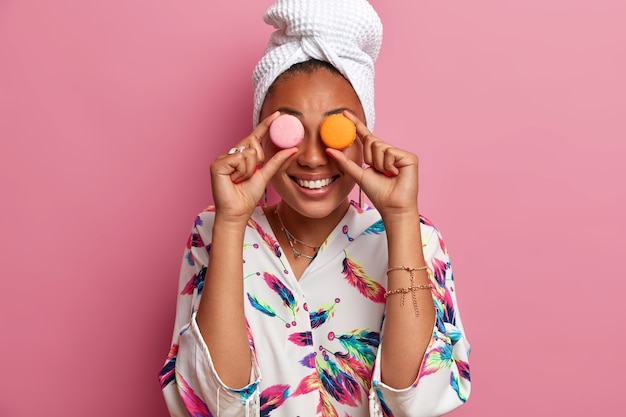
(312, 151)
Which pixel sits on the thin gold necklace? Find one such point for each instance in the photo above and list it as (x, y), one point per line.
(292, 239)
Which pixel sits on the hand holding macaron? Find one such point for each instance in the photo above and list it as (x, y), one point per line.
(388, 175)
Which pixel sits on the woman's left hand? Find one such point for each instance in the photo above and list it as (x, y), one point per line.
(390, 179)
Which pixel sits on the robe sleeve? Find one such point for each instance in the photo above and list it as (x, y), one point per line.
(443, 382)
(189, 382)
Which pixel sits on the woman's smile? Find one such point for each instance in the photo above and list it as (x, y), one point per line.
(315, 184)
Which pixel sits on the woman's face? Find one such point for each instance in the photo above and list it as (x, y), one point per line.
(311, 182)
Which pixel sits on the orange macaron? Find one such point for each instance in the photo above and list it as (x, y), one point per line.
(337, 131)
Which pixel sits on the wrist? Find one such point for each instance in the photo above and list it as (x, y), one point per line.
(230, 224)
(400, 217)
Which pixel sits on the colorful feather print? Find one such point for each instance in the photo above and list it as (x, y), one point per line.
(463, 373)
(354, 274)
(166, 375)
(358, 208)
(427, 222)
(283, 292)
(322, 314)
(247, 392)
(344, 377)
(339, 384)
(267, 309)
(332, 380)
(325, 407)
(194, 404)
(198, 222)
(454, 383)
(375, 229)
(308, 384)
(448, 313)
(442, 296)
(195, 240)
(261, 306)
(272, 397)
(267, 238)
(361, 344)
(454, 334)
(443, 357)
(351, 365)
(440, 323)
(189, 258)
(301, 339)
(308, 361)
(386, 410)
(439, 269)
(197, 281)
(463, 368)
(438, 358)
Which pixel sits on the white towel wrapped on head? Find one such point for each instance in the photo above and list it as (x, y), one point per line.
(345, 33)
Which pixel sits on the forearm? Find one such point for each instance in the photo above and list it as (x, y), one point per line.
(220, 316)
(408, 327)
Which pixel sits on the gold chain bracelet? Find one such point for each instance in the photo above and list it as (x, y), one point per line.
(404, 290)
(412, 288)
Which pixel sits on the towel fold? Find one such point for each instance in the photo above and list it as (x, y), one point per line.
(345, 33)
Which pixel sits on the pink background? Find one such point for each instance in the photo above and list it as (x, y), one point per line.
(111, 113)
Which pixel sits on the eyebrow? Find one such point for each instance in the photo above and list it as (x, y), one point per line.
(294, 112)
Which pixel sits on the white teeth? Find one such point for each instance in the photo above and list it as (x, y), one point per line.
(314, 185)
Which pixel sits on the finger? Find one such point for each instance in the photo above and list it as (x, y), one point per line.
(247, 162)
(262, 129)
(397, 160)
(382, 156)
(361, 130)
(376, 152)
(275, 162)
(254, 141)
(239, 163)
(346, 164)
(254, 144)
(389, 166)
(365, 136)
(234, 166)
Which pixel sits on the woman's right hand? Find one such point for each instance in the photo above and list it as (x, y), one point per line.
(239, 177)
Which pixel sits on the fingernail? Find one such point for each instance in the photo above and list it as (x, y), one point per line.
(256, 168)
(238, 181)
(388, 174)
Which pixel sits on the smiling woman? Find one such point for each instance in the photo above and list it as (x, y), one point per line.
(331, 308)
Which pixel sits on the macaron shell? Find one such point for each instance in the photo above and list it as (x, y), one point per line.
(337, 131)
(286, 131)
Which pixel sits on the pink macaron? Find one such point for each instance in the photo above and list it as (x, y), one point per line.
(286, 131)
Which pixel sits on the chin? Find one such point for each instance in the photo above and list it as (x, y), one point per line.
(316, 208)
